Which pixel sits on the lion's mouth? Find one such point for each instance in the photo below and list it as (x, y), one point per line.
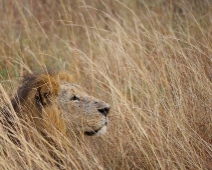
(91, 133)
(99, 131)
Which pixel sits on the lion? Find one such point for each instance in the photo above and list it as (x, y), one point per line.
(52, 102)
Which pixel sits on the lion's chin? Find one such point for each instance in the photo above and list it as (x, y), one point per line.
(101, 131)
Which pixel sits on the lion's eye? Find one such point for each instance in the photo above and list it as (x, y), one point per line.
(75, 98)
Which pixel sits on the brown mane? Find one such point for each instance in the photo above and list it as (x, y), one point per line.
(35, 102)
(35, 82)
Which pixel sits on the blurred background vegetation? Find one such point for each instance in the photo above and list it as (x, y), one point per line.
(57, 33)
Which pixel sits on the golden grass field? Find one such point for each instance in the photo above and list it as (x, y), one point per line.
(150, 59)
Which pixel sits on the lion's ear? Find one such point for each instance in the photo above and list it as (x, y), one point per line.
(43, 95)
(47, 90)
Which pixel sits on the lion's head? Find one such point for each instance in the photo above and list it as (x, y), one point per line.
(53, 101)
(83, 112)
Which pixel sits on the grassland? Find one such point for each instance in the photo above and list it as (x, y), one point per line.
(151, 60)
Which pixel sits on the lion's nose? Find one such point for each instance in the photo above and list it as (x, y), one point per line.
(104, 110)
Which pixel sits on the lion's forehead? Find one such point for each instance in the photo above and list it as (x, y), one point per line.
(70, 89)
(68, 85)
(86, 102)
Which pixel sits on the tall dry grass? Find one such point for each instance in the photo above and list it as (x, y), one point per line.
(151, 60)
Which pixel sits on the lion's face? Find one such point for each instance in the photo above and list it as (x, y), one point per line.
(83, 113)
